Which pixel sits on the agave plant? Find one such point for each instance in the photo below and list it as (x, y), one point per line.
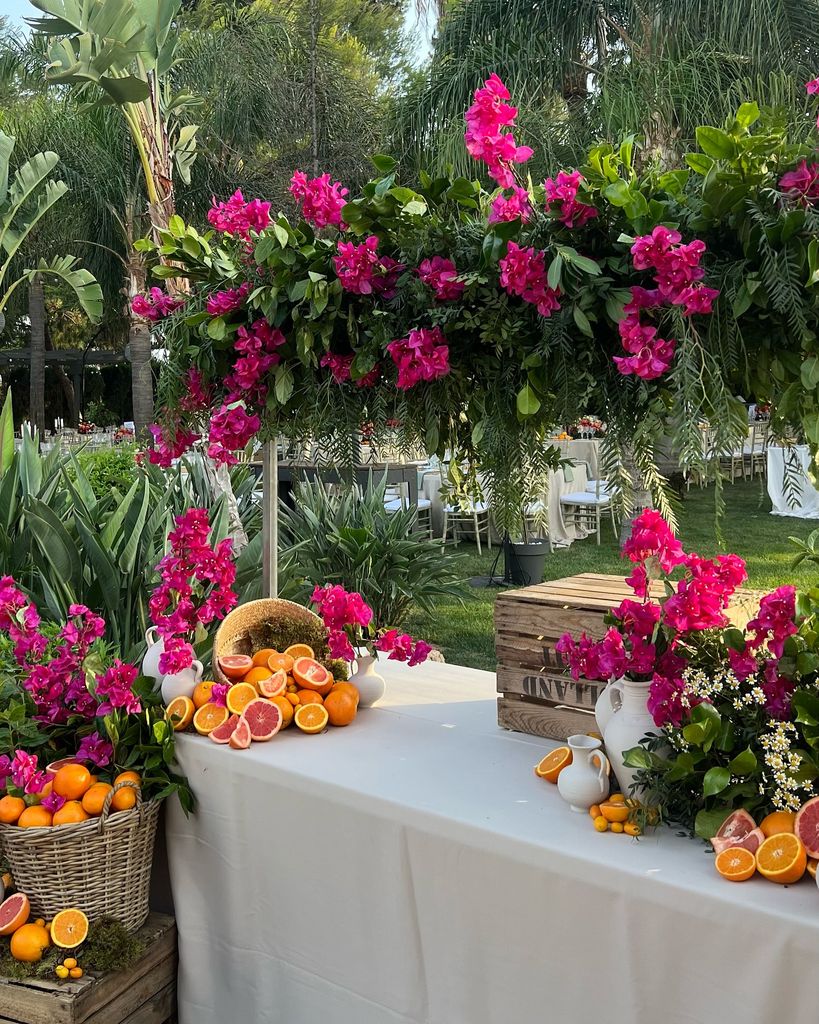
(348, 537)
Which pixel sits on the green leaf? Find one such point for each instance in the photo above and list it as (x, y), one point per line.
(748, 114)
(281, 235)
(6, 434)
(582, 322)
(715, 780)
(699, 163)
(383, 163)
(809, 372)
(284, 383)
(618, 193)
(528, 402)
(681, 768)
(735, 639)
(744, 763)
(553, 274)
(716, 143)
(217, 329)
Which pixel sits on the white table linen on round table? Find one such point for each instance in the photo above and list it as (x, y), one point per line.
(411, 869)
(582, 449)
(806, 505)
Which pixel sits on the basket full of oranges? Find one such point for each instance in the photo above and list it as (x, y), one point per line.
(95, 852)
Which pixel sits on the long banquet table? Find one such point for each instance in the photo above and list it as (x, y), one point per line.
(411, 869)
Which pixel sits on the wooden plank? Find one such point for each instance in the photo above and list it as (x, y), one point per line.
(550, 723)
(160, 1009)
(129, 1001)
(549, 688)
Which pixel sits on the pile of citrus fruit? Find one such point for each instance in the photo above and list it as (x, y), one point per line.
(270, 691)
(613, 815)
(29, 940)
(84, 797)
(782, 848)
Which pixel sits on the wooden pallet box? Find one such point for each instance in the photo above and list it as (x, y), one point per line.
(145, 994)
(537, 695)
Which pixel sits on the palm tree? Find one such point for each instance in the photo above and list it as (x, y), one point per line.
(585, 69)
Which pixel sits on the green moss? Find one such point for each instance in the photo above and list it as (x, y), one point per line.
(109, 947)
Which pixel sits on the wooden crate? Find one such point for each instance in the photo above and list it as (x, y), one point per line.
(537, 695)
(145, 994)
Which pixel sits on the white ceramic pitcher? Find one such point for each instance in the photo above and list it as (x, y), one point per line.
(182, 684)
(585, 781)
(150, 663)
(623, 719)
(370, 684)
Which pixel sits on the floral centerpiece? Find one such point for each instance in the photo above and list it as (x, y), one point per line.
(588, 426)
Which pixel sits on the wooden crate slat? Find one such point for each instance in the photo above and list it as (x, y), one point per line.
(550, 723)
(551, 688)
(159, 1009)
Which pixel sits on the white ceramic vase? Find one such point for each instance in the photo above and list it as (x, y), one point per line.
(585, 781)
(150, 663)
(370, 685)
(182, 684)
(623, 720)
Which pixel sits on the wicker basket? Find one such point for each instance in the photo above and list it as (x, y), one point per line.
(232, 637)
(101, 866)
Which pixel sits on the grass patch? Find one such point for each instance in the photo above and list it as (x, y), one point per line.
(465, 632)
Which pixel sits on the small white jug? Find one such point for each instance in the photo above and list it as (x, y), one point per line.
(584, 782)
(182, 684)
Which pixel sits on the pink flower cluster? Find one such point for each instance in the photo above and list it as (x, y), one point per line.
(362, 271)
(340, 611)
(441, 275)
(198, 393)
(155, 305)
(561, 199)
(19, 618)
(514, 207)
(678, 277)
(115, 689)
(321, 200)
(401, 647)
(195, 589)
(653, 548)
(232, 428)
(257, 346)
(523, 273)
(812, 89)
(485, 137)
(169, 444)
(803, 182)
(24, 771)
(340, 367)
(237, 217)
(96, 749)
(423, 355)
(222, 303)
(702, 596)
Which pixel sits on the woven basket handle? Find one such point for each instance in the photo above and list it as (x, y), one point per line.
(106, 807)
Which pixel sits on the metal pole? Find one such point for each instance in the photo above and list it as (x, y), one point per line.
(270, 520)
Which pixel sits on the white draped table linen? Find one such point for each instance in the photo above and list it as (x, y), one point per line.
(805, 497)
(411, 869)
(582, 449)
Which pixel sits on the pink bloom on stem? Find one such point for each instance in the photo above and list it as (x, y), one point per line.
(96, 749)
(339, 645)
(638, 619)
(237, 217)
(198, 392)
(115, 689)
(169, 446)
(775, 621)
(778, 691)
(231, 428)
(650, 361)
(652, 540)
(224, 302)
(484, 136)
(422, 356)
(53, 802)
(24, 772)
(218, 694)
(812, 87)
(649, 250)
(441, 275)
(177, 656)
(523, 273)
(362, 271)
(561, 198)
(339, 366)
(514, 207)
(321, 200)
(156, 305)
(802, 182)
(338, 608)
(743, 664)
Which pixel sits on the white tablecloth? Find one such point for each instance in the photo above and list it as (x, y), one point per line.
(804, 498)
(411, 869)
(583, 450)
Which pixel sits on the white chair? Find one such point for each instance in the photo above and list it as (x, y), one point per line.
(755, 460)
(584, 509)
(396, 498)
(474, 514)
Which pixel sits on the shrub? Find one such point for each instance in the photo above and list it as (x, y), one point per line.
(109, 469)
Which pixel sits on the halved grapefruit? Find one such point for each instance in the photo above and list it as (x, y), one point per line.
(310, 675)
(264, 719)
(806, 826)
(275, 685)
(235, 666)
(14, 913)
(240, 737)
(738, 829)
(223, 732)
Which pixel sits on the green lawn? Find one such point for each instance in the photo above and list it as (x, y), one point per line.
(464, 631)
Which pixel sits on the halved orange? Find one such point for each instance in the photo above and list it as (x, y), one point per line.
(553, 764)
(239, 696)
(69, 928)
(277, 661)
(260, 657)
(812, 865)
(312, 717)
(776, 822)
(180, 712)
(310, 675)
(257, 675)
(300, 651)
(736, 864)
(209, 716)
(234, 666)
(782, 858)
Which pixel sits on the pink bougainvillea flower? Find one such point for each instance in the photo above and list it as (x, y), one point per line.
(649, 362)
(812, 87)
(321, 200)
(339, 366)
(224, 302)
(652, 540)
(775, 621)
(422, 356)
(802, 183)
(96, 749)
(218, 694)
(169, 446)
(561, 199)
(339, 608)
(362, 271)
(484, 136)
(198, 393)
(523, 273)
(232, 428)
(237, 217)
(114, 689)
(338, 643)
(156, 305)
(441, 275)
(514, 207)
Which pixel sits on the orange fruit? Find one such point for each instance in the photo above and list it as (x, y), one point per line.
(309, 697)
(347, 688)
(71, 781)
(209, 716)
(286, 708)
(11, 807)
(70, 813)
(129, 776)
(239, 696)
(124, 799)
(736, 864)
(260, 658)
(776, 822)
(342, 707)
(300, 651)
(34, 817)
(293, 698)
(812, 865)
(94, 798)
(312, 718)
(29, 943)
(202, 692)
(614, 811)
(75, 972)
(310, 675)
(69, 929)
(553, 764)
(181, 710)
(47, 789)
(631, 829)
(280, 661)
(275, 685)
(601, 824)
(234, 666)
(256, 675)
(782, 858)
